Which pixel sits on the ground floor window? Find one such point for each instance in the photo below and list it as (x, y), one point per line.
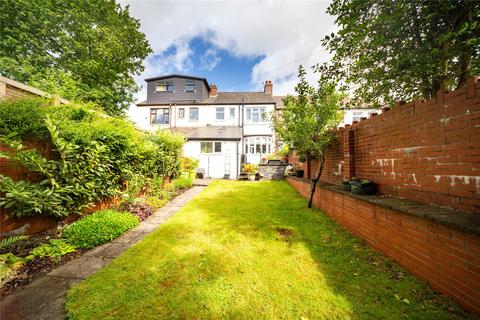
(211, 147)
(258, 145)
(160, 116)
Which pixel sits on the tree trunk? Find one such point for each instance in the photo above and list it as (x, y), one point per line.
(315, 179)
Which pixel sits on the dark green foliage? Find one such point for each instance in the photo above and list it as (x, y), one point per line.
(22, 118)
(98, 228)
(82, 50)
(55, 248)
(7, 242)
(95, 157)
(388, 50)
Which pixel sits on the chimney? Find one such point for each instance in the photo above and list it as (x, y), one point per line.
(268, 88)
(213, 90)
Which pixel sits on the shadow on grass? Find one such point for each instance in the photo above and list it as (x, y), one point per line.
(253, 250)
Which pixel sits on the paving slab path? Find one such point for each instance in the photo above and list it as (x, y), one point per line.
(44, 298)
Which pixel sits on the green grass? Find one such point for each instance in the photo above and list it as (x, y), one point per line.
(243, 250)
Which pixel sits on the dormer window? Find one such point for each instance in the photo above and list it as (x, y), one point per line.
(189, 86)
(164, 86)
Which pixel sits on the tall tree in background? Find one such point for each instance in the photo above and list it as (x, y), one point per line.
(391, 50)
(308, 121)
(87, 50)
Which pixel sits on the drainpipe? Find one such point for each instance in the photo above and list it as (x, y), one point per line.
(242, 110)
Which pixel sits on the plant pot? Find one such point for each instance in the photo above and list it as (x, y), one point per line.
(251, 176)
(346, 186)
(368, 188)
(299, 173)
(192, 174)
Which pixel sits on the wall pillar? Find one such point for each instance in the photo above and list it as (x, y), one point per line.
(349, 153)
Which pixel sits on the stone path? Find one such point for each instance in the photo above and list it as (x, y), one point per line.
(44, 297)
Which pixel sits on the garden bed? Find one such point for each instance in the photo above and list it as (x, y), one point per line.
(38, 266)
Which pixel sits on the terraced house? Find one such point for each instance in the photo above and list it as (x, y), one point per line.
(223, 129)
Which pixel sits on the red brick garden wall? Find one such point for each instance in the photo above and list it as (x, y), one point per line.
(447, 259)
(427, 151)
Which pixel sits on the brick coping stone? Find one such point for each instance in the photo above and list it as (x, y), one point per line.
(459, 220)
(44, 298)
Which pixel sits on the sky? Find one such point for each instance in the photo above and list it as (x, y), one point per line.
(234, 44)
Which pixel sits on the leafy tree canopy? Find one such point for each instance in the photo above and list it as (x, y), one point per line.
(83, 50)
(392, 50)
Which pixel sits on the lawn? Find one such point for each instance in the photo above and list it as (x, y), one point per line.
(252, 250)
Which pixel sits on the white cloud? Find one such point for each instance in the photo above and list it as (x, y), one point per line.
(209, 59)
(284, 33)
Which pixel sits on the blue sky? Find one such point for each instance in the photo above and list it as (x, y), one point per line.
(235, 44)
(217, 65)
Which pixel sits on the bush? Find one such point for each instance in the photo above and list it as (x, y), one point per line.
(188, 164)
(182, 183)
(156, 203)
(139, 209)
(95, 157)
(55, 248)
(98, 228)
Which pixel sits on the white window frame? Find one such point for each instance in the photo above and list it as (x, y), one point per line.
(165, 85)
(190, 114)
(258, 145)
(251, 112)
(181, 113)
(154, 115)
(219, 111)
(190, 83)
(231, 113)
(214, 145)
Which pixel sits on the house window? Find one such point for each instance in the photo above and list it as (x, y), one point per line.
(164, 86)
(231, 115)
(181, 113)
(357, 115)
(258, 145)
(193, 114)
(160, 116)
(218, 146)
(210, 146)
(220, 113)
(255, 115)
(189, 86)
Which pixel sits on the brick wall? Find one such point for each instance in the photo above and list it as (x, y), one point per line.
(427, 151)
(447, 259)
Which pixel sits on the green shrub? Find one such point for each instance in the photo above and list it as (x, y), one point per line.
(55, 248)
(182, 183)
(188, 164)
(23, 118)
(95, 157)
(156, 203)
(98, 228)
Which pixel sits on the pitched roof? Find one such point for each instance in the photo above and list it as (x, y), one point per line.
(278, 102)
(210, 132)
(239, 97)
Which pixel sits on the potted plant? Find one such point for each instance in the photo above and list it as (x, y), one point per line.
(250, 169)
(363, 186)
(188, 167)
(346, 186)
(283, 152)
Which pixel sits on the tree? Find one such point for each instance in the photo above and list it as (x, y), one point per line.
(92, 45)
(389, 50)
(308, 121)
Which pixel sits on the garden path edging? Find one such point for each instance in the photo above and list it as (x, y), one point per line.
(44, 298)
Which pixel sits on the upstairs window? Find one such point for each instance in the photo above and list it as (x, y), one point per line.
(220, 114)
(189, 86)
(256, 115)
(159, 116)
(164, 86)
(193, 114)
(231, 115)
(258, 145)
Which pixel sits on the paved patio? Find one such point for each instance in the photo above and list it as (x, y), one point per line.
(44, 297)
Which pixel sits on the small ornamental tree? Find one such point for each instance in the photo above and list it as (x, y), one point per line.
(308, 121)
